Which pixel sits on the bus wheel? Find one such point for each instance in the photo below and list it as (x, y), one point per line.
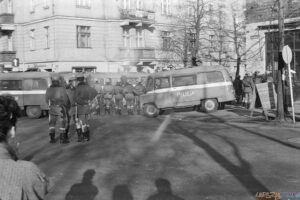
(210, 105)
(33, 112)
(150, 110)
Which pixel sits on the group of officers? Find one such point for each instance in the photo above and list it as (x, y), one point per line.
(76, 100)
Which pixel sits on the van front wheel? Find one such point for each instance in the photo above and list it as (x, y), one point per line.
(150, 110)
(209, 105)
(33, 112)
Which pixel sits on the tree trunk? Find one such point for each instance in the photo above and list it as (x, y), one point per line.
(238, 64)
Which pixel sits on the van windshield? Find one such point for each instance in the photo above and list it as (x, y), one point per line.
(10, 85)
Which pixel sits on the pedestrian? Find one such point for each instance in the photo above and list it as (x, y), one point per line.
(84, 94)
(139, 89)
(248, 89)
(108, 92)
(238, 87)
(118, 92)
(287, 102)
(59, 105)
(128, 92)
(19, 180)
(164, 191)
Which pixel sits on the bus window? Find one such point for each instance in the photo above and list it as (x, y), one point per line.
(214, 77)
(161, 83)
(184, 80)
(149, 85)
(11, 85)
(39, 84)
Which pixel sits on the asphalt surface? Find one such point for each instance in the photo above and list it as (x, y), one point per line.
(219, 156)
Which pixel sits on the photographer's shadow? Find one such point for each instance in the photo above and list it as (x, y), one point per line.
(84, 190)
(164, 191)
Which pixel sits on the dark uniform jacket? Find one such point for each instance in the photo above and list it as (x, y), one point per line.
(139, 89)
(58, 98)
(84, 94)
(128, 89)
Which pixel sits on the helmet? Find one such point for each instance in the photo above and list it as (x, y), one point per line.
(123, 79)
(55, 77)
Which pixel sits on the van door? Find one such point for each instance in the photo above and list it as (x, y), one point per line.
(184, 87)
(162, 90)
(13, 88)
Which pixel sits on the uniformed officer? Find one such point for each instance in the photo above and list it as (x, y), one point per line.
(128, 92)
(139, 89)
(71, 93)
(59, 104)
(108, 92)
(84, 94)
(118, 92)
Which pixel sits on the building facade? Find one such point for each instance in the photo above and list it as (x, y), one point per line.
(262, 36)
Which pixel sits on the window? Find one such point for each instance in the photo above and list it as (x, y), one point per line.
(84, 69)
(166, 37)
(139, 4)
(11, 85)
(165, 7)
(184, 81)
(32, 40)
(9, 6)
(84, 3)
(46, 4)
(83, 37)
(149, 85)
(32, 6)
(46, 29)
(140, 38)
(161, 83)
(126, 4)
(214, 77)
(126, 38)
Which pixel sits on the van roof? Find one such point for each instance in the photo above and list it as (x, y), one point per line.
(188, 70)
(23, 75)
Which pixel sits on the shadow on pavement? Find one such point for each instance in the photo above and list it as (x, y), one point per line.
(164, 191)
(84, 190)
(121, 192)
(242, 172)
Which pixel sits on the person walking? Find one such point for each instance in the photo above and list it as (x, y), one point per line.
(139, 89)
(59, 105)
(84, 94)
(19, 180)
(238, 88)
(118, 92)
(248, 88)
(128, 92)
(108, 92)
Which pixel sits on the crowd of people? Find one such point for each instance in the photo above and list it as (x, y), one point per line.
(77, 100)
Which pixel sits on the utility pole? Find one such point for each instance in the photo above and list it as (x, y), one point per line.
(280, 109)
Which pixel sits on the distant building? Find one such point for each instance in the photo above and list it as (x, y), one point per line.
(262, 36)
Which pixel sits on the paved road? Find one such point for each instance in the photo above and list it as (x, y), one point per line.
(217, 156)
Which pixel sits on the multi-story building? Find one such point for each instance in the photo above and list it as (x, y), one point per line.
(262, 36)
(85, 35)
(7, 50)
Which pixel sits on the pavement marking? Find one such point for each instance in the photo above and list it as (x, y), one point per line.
(294, 140)
(157, 135)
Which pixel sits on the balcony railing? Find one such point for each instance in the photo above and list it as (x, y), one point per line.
(6, 18)
(7, 56)
(137, 14)
(137, 54)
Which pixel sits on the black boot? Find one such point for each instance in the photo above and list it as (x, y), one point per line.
(79, 134)
(52, 138)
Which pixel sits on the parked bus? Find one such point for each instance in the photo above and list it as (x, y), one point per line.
(28, 88)
(208, 87)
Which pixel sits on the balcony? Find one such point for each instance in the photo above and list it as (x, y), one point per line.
(133, 14)
(7, 56)
(137, 54)
(6, 18)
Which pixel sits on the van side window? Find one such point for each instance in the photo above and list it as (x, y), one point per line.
(35, 84)
(201, 78)
(161, 83)
(149, 85)
(184, 80)
(11, 85)
(214, 77)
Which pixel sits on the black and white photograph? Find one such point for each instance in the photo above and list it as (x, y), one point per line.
(149, 99)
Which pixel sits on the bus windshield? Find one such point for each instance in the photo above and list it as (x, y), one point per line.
(10, 85)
